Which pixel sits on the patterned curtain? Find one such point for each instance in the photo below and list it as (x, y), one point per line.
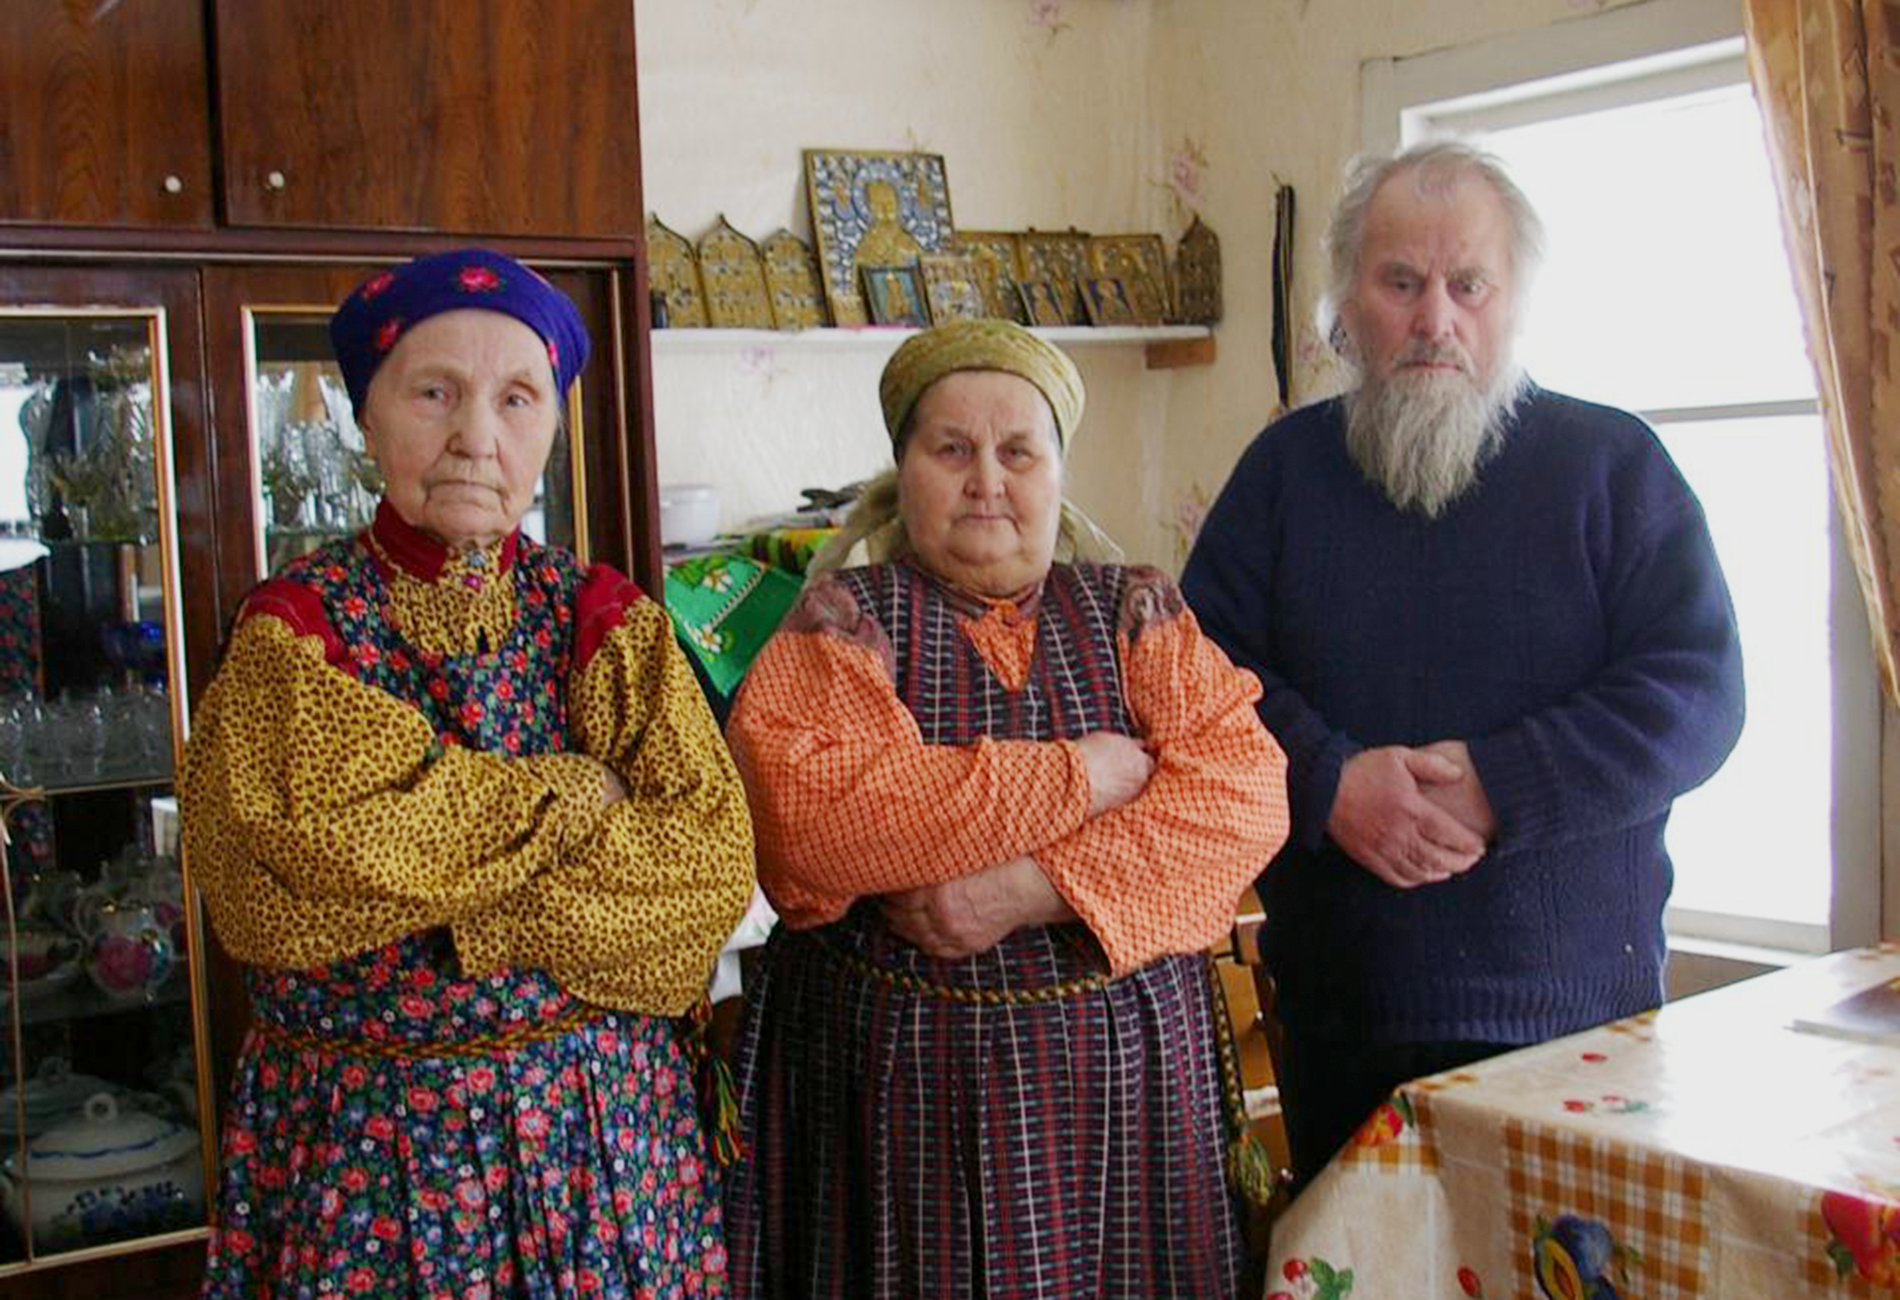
(1827, 76)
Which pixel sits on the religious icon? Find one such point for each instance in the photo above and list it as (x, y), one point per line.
(895, 296)
(791, 280)
(872, 210)
(1062, 258)
(1040, 303)
(1197, 276)
(673, 272)
(734, 280)
(1107, 299)
(1140, 262)
(994, 252)
(950, 283)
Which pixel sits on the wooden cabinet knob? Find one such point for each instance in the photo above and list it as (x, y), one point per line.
(173, 185)
(274, 181)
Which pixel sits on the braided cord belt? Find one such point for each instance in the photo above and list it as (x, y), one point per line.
(574, 1016)
(951, 993)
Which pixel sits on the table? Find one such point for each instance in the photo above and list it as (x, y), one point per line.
(1707, 1149)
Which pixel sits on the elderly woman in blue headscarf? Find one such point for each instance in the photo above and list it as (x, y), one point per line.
(457, 803)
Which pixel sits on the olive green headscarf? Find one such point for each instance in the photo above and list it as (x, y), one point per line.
(921, 361)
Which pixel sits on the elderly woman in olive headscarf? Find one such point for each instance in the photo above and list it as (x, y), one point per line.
(1004, 800)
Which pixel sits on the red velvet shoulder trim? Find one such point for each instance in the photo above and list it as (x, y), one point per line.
(599, 608)
(303, 610)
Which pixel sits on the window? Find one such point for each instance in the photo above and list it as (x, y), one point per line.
(1666, 291)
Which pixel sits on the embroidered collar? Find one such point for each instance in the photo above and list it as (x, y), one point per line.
(406, 547)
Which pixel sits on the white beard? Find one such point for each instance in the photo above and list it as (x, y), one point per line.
(1421, 436)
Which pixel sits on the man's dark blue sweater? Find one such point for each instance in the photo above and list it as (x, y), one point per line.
(1566, 618)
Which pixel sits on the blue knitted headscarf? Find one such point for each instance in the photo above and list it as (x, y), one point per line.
(382, 309)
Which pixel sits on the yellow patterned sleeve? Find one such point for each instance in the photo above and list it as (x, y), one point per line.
(321, 817)
(635, 917)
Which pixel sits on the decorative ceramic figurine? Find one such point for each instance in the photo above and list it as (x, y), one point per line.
(105, 1176)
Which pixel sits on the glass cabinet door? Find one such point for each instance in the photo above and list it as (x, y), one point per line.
(312, 479)
(100, 1110)
(315, 479)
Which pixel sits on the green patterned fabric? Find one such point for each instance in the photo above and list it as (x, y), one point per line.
(725, 607)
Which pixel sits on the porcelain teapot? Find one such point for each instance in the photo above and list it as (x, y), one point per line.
(129, 949)
(107, 1175)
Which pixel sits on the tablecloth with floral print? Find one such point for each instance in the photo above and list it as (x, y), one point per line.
(1709, 1149)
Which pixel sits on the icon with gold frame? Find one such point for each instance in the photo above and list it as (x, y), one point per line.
(1107, 300)
(1042, 304)
(872, 210)
(1197, 276)
(673, 271)
(1061, 258)
(950, 285)
(994, 252)
(894, 295)
(1140, 262)
(791, 282)
(734, 280)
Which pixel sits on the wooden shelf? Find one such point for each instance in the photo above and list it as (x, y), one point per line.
(1166, 346)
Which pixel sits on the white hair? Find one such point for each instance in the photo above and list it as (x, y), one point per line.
(1436, 169)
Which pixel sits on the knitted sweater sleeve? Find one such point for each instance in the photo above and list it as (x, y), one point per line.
(1229, 584)
(1665, 708)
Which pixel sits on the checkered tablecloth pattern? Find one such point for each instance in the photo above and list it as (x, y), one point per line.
(1655, 1206)
(1712, 1149)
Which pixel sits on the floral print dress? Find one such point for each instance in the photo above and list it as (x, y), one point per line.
(399, 1128)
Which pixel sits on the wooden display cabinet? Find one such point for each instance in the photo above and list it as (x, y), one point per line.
(214, 385)
(501, 117)
(141, 208)
(107, 116)
(489, 117)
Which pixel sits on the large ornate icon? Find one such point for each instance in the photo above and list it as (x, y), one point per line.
(876, 210)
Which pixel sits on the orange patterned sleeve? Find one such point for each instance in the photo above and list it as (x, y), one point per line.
(1163, 873)
(847, 799)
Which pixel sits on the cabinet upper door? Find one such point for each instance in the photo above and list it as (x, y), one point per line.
(104, 112)
(508, 117)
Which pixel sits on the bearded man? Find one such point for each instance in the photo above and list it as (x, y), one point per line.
(1495, 644)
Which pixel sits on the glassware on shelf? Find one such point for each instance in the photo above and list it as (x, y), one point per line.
(317, 476)
(91, 447)
(92, 948)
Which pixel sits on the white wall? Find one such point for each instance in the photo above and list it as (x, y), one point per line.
(1048, 113)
